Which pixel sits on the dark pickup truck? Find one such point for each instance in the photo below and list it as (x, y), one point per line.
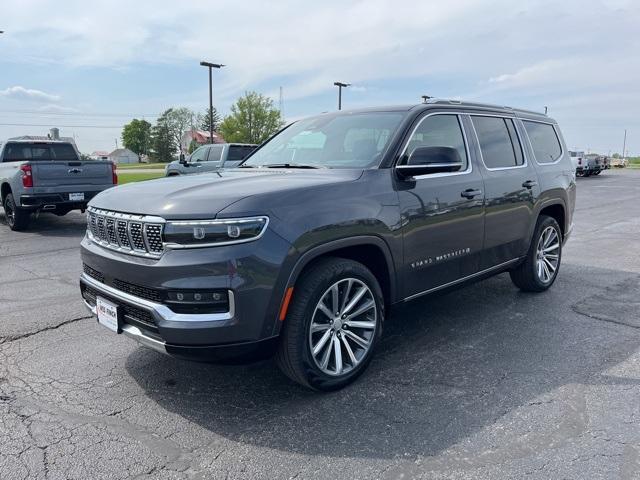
(302, 250)
(48, 176)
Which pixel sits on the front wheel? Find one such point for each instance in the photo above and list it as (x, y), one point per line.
(333, 325)
(540, 268)
(17, 218)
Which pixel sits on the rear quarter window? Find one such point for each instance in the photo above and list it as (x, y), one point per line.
(544, 140)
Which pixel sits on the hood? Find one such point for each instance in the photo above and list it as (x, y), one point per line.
(204, 195)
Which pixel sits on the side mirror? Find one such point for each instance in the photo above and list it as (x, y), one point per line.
(184, 160)
(426, 160)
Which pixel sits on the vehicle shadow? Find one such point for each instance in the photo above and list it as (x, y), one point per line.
(73, 224)
(447, 367)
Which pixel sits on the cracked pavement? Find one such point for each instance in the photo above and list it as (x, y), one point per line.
(484, 382)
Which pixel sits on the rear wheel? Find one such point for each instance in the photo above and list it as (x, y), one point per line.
(333, 325)
(540, 268)
(17, 218)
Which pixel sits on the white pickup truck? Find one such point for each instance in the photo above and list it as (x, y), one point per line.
(48, 176)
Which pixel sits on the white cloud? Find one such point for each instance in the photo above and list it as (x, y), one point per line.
(528, 54)
(22, 93)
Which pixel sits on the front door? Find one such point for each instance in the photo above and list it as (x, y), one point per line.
(442, 213)
(511, 187)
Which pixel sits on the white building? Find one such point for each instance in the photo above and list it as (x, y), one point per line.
(123, 155)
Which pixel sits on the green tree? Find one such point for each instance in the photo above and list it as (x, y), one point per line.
(162, 139)
(136, 136)
(253, 119)
(204, 120)
(178, 121)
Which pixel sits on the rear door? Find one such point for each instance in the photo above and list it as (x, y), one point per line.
(214, 158)
(511, 188)
(236, 154)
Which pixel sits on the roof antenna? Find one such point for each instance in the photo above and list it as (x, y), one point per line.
(425, 98)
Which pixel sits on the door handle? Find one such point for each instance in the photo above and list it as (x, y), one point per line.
(471, 192)
(529, 184)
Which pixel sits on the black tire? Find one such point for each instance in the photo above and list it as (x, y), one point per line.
(526, 276)
(17, 218)
(294, 355)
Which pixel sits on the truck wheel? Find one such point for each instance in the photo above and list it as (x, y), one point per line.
(540, 268)
(17, 218)
(333, 325)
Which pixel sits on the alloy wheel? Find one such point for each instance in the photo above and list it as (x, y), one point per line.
(343, 326)
(548, 254)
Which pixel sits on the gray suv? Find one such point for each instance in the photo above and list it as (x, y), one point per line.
(302, 250)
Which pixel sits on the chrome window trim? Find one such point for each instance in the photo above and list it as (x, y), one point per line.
(162, 311)
(525, 157)
(555, 130)
(458, 116)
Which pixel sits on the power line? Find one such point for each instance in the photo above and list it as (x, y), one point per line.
(80, 114)
(61, 126)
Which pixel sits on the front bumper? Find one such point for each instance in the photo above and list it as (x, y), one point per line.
(248, 272)
(145, 332)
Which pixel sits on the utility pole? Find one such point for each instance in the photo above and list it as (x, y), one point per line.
(281, 104)
(211, 66)
(340, 86)
(624, 143)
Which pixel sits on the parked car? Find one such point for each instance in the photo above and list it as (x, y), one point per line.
(587, 165)
(211, 157)
(302, 250)
(48, 176)
(619, 162)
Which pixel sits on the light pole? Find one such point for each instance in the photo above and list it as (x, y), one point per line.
(210, 66)
(624, 144)
(340, 86)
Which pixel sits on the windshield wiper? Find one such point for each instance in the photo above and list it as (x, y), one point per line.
(288, 165)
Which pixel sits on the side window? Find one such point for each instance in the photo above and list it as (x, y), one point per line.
(498, 142)
(199, 155)
(215, 152)
(544, 140)
(440, 131)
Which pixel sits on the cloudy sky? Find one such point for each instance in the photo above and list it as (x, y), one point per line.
(89, 68)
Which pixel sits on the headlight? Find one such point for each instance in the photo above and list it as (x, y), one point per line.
(209, 233)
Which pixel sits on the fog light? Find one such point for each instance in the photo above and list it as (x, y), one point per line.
(198, 301)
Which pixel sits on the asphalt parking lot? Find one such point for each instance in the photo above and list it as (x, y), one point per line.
(485, 382)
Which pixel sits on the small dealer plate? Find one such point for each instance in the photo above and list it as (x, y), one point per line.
(107, 314)
(76, 197)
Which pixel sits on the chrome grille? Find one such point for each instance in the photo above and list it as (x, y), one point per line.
(133, 234)
(153, 234)
(123, 236)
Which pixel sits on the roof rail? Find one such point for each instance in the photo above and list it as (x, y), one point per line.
(444, 101)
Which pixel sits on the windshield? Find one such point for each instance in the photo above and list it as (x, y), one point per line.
(330, 141)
